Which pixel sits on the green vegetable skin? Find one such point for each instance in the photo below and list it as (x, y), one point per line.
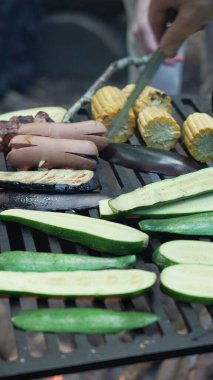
(24, 261)
(188, 282)
(94, 233)
(197, 224)
(103, 283)
(170, 190)
(84, 320)
(183, 252)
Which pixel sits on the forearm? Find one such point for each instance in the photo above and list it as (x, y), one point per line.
(142, 6)
(141, 28)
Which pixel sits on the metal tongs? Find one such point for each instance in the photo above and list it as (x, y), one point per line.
(143, 80)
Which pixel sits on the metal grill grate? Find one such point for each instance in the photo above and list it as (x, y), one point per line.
(183, 328)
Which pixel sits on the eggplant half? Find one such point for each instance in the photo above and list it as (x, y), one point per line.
(29, 200)
(144, 159)
(55, 180)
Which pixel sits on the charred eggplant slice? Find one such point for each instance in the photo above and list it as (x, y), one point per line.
(35, 200)
(145, 159)
(55, 180)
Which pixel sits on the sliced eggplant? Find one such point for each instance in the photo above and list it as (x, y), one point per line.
(55, 180)
(47, 201)
(145, 159)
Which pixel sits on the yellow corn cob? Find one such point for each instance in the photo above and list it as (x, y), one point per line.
(158, 128)
(198, 136)
(105, 105)
(150, 96)
(127, 90)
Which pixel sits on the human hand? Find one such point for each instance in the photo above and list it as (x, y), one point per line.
(143, 32)
(192, 15)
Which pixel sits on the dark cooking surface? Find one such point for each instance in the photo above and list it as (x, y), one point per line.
(183, 328)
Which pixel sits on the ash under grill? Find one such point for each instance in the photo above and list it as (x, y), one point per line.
(183, 328)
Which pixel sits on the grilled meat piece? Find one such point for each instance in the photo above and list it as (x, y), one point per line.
(42, 117)
(8, 129)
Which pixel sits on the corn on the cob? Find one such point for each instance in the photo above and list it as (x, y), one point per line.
(150, 96)
(198, 136)
(127, 90)
(105, 105)
(158, 128)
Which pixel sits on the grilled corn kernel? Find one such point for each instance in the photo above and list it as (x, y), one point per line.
(158, 128)
(198, 136)
(150, 96)
(105, 105)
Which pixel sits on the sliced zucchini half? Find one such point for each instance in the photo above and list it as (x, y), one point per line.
(198, 204)
(194, 205)
(183, 252)
(94, 233)
(104, 209)
(103, 283)
(188, 282)
(161, 192)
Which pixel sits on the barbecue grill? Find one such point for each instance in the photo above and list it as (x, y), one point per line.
(183, 329)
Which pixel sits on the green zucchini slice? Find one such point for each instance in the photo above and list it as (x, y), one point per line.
(183, 252)
(25, 261)
(158, 193)
(197, 224)
(98, 234)
(103, 283)
(194, 205)
(188, 282)
(84, 320)
(198, 204)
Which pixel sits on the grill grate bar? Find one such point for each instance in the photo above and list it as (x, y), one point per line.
(28, 239)
(191, 319)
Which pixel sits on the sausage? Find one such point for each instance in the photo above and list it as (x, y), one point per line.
(36, 151)
(35, 156)
(86, 130)
(56, 145)
(63, 130)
